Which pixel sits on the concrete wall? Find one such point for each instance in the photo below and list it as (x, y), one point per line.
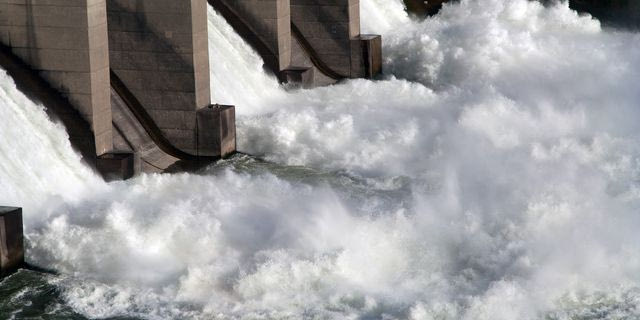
(329, 25)
(159, 48)
(11, 240)
(66, 41)
(270, 19)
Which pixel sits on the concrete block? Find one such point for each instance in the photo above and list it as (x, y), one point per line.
(366, 56)
(11, 240)
(115, 166)
(303, 76)
(216, 131)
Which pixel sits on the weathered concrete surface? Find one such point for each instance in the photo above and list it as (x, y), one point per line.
(302, 34)
(66, 41)
(115, 166)
(300, 59)
(302, 76)
(329, 27)
(159, 48)
(217, 131)
(57, 107)
(130, 136)
(329, 32)
(11, 240)
(269, 20)
(366, 56)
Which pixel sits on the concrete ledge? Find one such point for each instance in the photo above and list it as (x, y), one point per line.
(115, 166)
(11, 240)
(303, 76)
(216, 126)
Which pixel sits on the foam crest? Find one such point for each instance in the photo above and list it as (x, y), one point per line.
(38, 166)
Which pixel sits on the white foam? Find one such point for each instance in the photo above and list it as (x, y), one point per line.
(39, 170)
(495, 167)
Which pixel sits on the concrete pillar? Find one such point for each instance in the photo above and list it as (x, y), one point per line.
(333, 30)
(159, 49)
(270, 19)
(366, 56)
(329, 27)
(216, 131)
(66, 41)
(11, 240)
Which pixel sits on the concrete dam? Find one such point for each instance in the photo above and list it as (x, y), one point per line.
(130, 79)
(491, 172)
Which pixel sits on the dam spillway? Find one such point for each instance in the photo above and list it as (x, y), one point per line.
(468, 190)
(137, 73)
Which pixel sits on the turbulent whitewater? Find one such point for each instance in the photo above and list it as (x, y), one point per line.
(493, 172)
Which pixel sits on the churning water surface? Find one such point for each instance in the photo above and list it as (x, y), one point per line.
(492, 173)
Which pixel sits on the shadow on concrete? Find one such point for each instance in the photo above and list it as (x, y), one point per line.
(58, 108)
(248, 34)
(148, 38)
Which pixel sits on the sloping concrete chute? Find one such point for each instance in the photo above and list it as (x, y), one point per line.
(130, 79)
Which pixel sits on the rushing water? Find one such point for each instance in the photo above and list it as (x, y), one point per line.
(492, 173)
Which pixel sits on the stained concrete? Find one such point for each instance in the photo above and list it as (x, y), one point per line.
(366, 56)
(57, 107)
(302, 76)
(159, 48)
(303, 34)
(269, 20)
(130, 136)
(217, 131)
(156, 49)
(116, 166)
(66, 42)
(11, 240)
(329, 27)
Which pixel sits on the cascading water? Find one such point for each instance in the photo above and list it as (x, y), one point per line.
(492, 174)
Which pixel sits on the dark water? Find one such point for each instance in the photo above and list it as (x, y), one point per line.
(34, 295)
(30, 295)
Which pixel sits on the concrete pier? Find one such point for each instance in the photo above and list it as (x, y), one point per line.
(66, 42)
(329, 26)
(270, 21)
(155, 51)
(332, 30)
(159, 49)
(216, 131)
(306, 34)
(11, 240)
